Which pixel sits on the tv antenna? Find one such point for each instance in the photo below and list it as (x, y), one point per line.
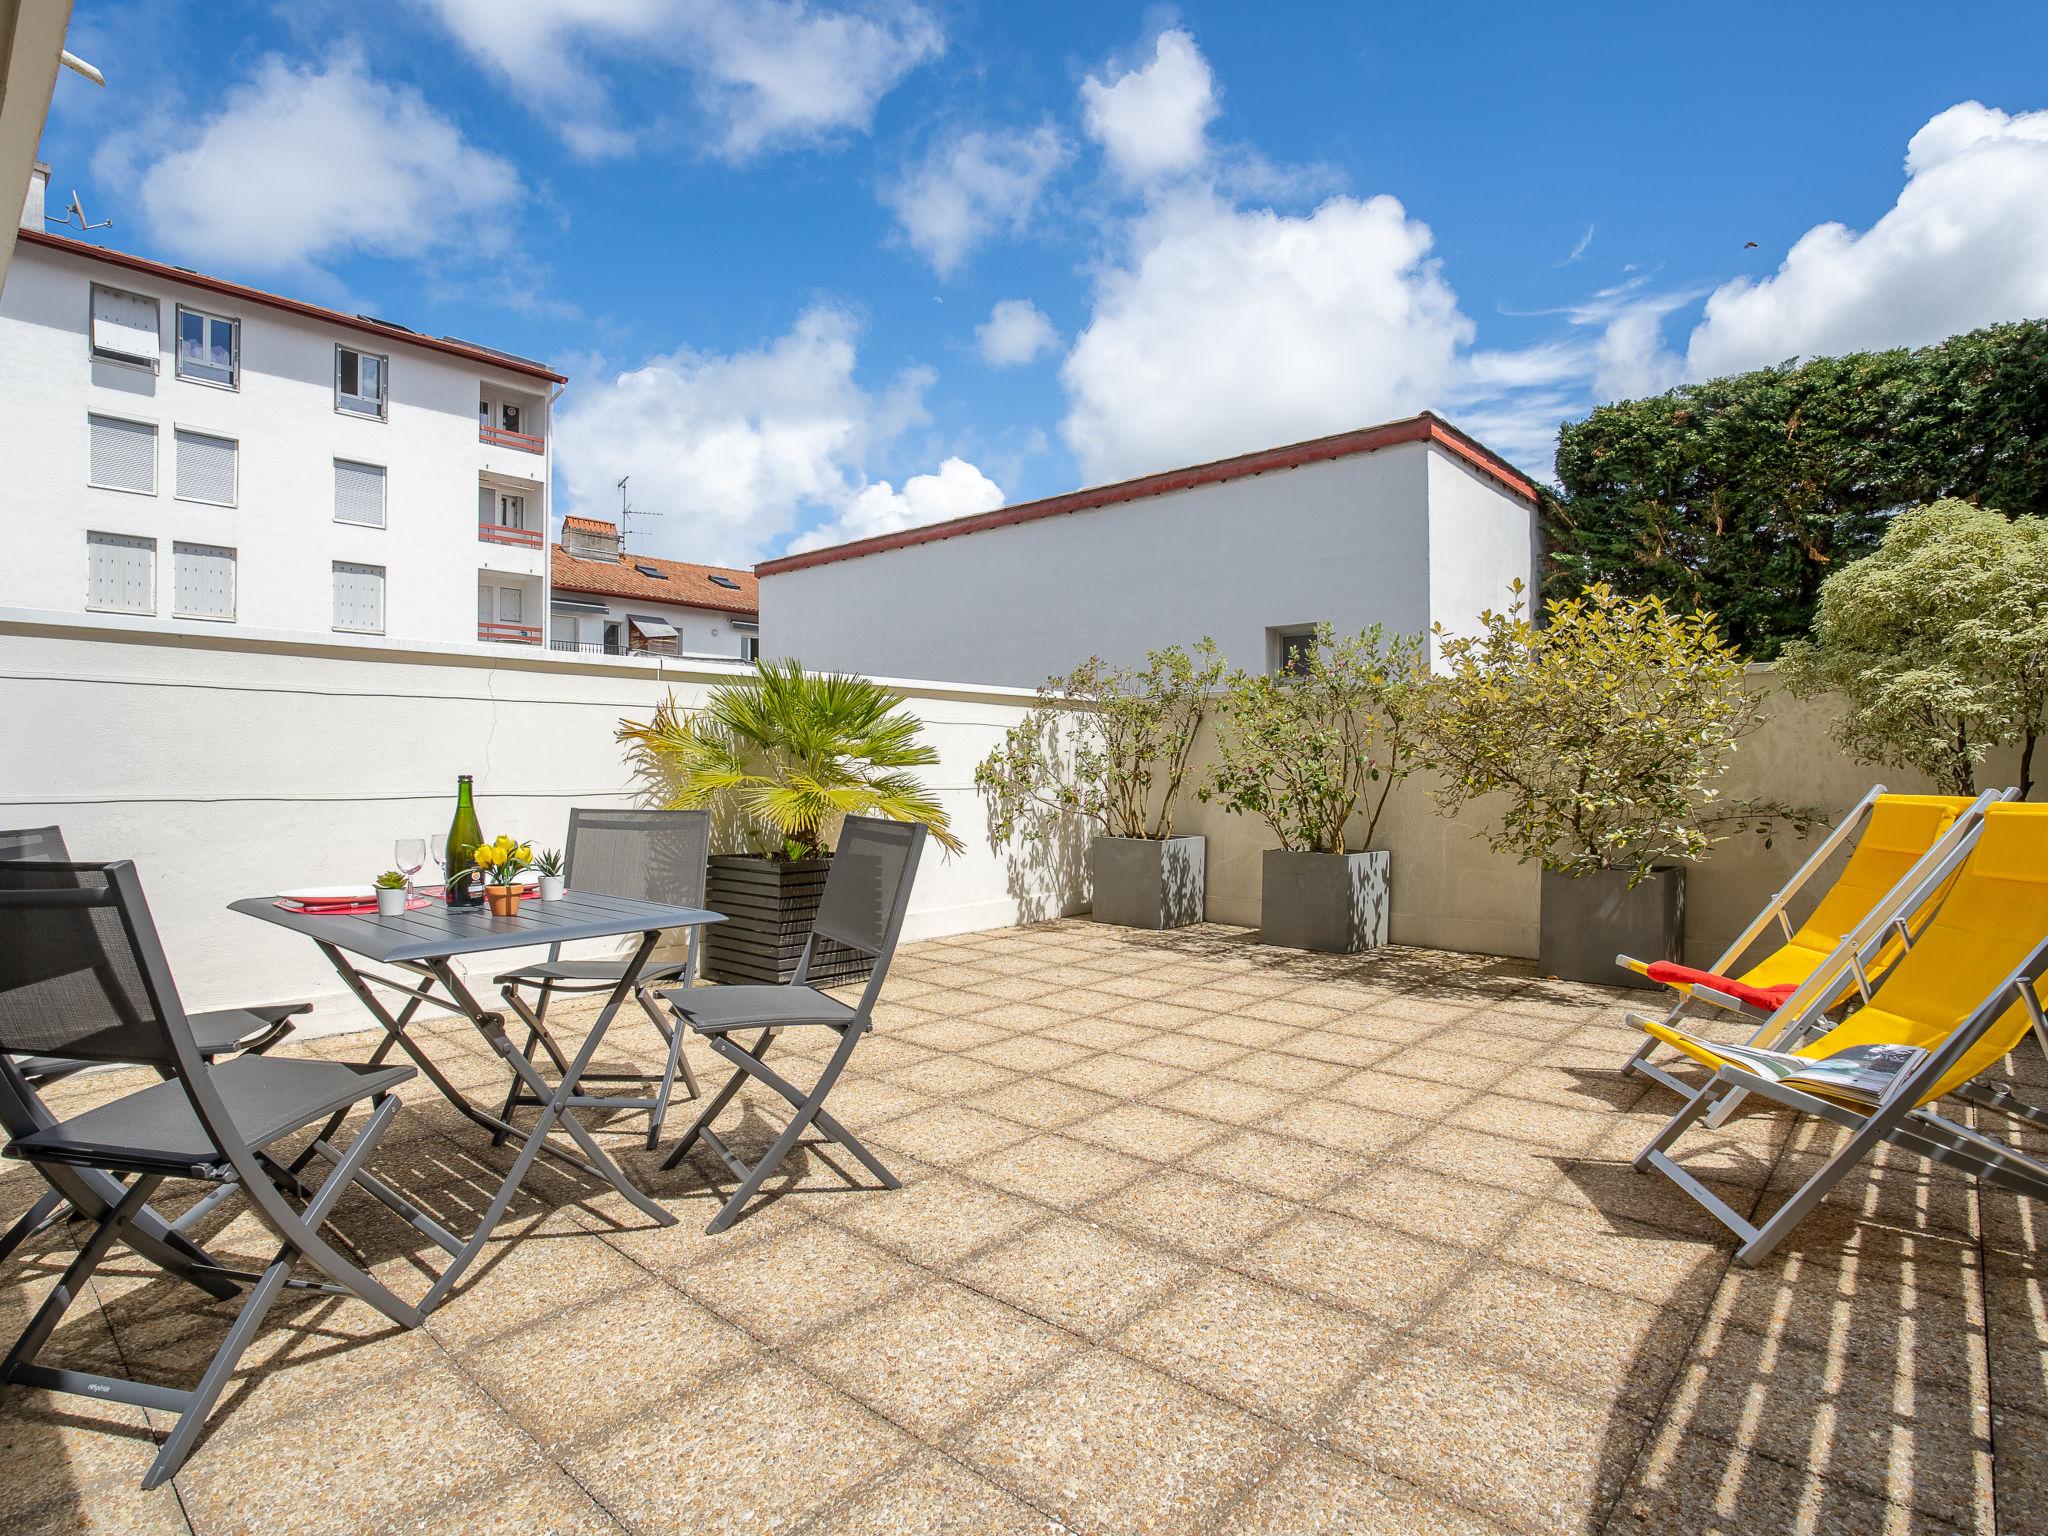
(628, 510)
(74, 217)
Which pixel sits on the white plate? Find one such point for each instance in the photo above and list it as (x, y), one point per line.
(330, 893)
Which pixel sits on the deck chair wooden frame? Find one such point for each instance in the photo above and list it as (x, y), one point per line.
(867, 894)
(82, 970)
(1906, 1118)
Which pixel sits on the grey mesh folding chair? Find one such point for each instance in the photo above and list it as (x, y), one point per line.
(648, 856)
(83, 974)
(222, 1032)
(866, 895)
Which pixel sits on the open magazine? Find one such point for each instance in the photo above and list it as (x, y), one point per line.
(1866, 1073)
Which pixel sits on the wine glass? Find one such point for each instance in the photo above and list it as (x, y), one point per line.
(410, 855)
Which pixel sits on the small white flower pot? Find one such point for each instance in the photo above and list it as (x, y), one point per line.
(390, 903)
(550, 887)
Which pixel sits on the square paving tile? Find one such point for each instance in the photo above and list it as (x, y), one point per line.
(932, 1496)
(1108, 1445)
(797, 1281)
(1207, 1216)
(1077, 1275)
(1058, 1170)
(1158, 1135)
(1390, 1275)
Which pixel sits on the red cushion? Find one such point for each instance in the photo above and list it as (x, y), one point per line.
(1672, 974)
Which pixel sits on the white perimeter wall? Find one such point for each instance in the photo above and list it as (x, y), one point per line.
(227, 768)
(283, 417)
(1353, 541)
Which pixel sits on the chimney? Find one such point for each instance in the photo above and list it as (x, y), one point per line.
(32, 205)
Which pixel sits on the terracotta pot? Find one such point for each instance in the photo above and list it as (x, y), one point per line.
(504, 900)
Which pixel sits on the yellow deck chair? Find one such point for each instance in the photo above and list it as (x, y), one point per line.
(1850, 933)
(1967, 990)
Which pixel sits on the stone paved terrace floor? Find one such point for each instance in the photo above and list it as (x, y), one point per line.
(1194, 1237)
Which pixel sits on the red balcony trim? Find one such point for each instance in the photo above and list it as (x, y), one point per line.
(494, 533)
(514, 634)
(505, 439)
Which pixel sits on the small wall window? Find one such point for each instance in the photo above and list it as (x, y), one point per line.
(750, 647)
(123, 454)
(359, 598)
(124, 327)
(206, 468)
(203, 581)
(359, 382)
(209, 348)
(1294, 651)
(120, 573)
(359, 493)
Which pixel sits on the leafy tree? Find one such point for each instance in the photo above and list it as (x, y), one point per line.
(1938, 644)
(1740, 495)
(783, 754)
(1605, 730)
(1099, 743)
(1303, 750)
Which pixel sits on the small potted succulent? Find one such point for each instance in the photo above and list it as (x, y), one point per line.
(549, 867)
(391, 894)
(499, 865)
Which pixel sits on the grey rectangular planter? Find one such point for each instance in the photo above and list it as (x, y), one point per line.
(1143, 882)
(1333, 902)
(1589, 919)
(768, 906)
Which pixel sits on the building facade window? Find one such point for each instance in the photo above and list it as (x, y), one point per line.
(120, 573)
(124, 327)
(209, 348)
(359, 493)
(1294, 651)
(206, 467)
(360, 382)
(750, 647)
(202, 581)
(500, 605)
(123, 454)
(359, 598)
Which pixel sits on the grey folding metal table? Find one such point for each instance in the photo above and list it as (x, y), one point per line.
(422, 944)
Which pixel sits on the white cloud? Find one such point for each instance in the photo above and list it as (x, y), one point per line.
(1014, 334)
(957, 490)
(767, 73)
(1965, 245)
(971, 187)
(1227, 329)
(1153, 121)
(307, 163)
(737, 451)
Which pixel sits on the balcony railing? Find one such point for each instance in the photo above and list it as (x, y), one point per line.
(503, 438)
(510, 634)
(498, 533)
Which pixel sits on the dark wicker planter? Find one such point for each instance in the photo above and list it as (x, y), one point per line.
(768, 907)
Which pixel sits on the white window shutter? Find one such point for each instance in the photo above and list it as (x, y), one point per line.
(123, 454)
(511, 605)
(206, 468)
(120, 573)
(485, 608)
(204, 585)
(358, 597)
(358, 493)
(124, 325)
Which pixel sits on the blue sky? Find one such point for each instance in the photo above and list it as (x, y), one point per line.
(820, 269)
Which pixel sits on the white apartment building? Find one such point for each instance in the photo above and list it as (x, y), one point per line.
(187, 451)
(606, 601)
(1406, 524)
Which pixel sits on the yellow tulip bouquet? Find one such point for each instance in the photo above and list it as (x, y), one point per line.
(498, 866)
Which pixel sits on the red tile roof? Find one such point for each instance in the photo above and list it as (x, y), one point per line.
(1427, 427)
(221, 285)
(687, 586)
(591, 525)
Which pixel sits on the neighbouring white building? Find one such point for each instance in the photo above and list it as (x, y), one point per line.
(1407, 524)
(182, 450)
(608, 601)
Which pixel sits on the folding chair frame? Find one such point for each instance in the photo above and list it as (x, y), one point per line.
(1901, 1119)
(808, 1105)
(242, 1167)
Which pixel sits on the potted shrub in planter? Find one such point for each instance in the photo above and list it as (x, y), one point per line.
(778, 759)
(497, 866)
(549, 867)
(1307, 751)
(1604, 733)
(1111, 745)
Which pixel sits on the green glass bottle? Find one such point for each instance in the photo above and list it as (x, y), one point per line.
(463, 839)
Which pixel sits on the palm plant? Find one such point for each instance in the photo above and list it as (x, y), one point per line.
(785, 753)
